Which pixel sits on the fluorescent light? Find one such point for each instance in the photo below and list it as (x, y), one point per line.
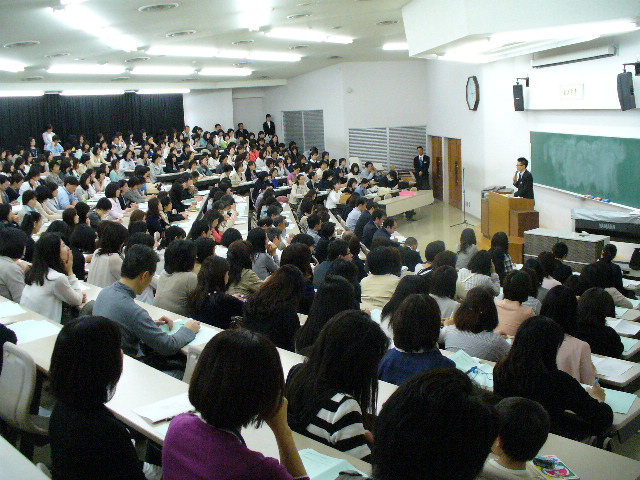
(307, 35)
(84, 69)
(204, 52)
(158, 91)
(255, 13)
(11, 66)
(80, 17)
(68, 93)
(21, 93)
(71, 2)
(396, 46)
(155, 70)
(226, 72)
(172, 51)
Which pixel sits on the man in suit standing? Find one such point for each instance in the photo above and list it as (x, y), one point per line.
(242, 131)
(421, 169)
(269, 127)
(523, 180)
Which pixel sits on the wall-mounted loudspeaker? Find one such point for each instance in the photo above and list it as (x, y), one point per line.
(518, 98)
(625, 91)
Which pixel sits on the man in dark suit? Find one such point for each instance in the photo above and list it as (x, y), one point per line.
(370, 229)
(562, 271)
(242, 131)
(364, 218)
(409, 253)
(421, 169)
(268, 127)
(523, 180)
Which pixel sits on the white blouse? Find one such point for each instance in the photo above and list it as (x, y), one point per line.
(47, 299)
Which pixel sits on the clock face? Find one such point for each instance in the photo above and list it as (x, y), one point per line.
(473, 93)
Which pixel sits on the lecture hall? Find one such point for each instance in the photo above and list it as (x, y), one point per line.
(324, 240)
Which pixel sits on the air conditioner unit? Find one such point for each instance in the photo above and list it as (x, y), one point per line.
(546, 59)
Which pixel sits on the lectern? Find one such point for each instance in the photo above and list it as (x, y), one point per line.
(500, 207)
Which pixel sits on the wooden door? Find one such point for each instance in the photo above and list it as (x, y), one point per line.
(455, 172)
(436, 167)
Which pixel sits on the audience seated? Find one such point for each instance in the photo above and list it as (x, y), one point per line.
(548, 264)
(562, 271)
(473, 329)
(238, 382)
(511, 311)
(272, 310)
(87, 441)
(12, 245)
(334, 295)
(107, 259)
(330, 393)
(500, 257)
(574, 355)
(338, 248)
(479, 273)
(178, 280)
(530, 371)
(518, 441)
(408, 285)
(466, 249)
(415, 325)
(379, 285)
(594, 307)
(299, 255)
(49, 280)
(443, 290)
(263, 253)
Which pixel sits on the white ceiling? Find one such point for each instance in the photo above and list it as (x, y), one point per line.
(218, 23)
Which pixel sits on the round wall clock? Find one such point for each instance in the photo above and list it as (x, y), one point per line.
(473, 93)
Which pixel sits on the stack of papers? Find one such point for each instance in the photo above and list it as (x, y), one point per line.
(202, 337)
(623, 327)
(165, 409)
(324, 467)
(620, 402)
(32, 330)
(481, 373)
(610, 367)
(628, 343)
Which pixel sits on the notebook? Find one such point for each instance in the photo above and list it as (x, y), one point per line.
(32, 330)
(324, 467)
(628, 343)
(620, 402)
(9, 309)
(610, 367)
(203, 336)
(165, 409)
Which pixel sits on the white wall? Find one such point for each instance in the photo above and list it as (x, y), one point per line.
(319, 90)
(205, 108)
(248, 108)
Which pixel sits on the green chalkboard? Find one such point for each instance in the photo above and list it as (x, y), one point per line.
(607, 167)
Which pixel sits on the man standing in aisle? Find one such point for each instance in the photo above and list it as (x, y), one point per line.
(523, 180)
(421, 169)
(269, 127)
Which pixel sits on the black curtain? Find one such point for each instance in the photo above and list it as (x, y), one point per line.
(24, 117)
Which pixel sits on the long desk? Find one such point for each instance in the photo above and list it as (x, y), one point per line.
(14, 465)
(398, 205)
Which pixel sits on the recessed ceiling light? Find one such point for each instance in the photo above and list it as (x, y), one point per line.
(241, 64)
(337, 27)
(164, 70)
(307, 35)
(242, 42)
(298, 15)
(33, 78)
(158, 7)
(120, 79)
(188, 79)
(385, 23)
(334, 57)
(57, 55)
(298, 47)
(264, 77)
(136, 59)
(303, 4)
(26, 43)
(180, 33)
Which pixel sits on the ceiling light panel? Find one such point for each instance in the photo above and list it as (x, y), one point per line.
(172, 51)
(85, 69)
(69, 93)
(21, 93)
(395, 46)
(203, 52)
(307, 35)
(168, 70)
(11, 66)
(225, 72)
(255, 13)
(160, 91)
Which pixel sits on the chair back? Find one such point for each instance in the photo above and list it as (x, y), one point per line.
(17, 388)
(193, 354)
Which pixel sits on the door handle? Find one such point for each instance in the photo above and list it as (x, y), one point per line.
(457, 174)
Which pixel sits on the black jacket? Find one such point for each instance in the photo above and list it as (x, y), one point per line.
(370, 230)
(603, 340)
(279, 324)
(88, 442)
(524, 185)
(562, 271)
(269, 128)
(363, 219)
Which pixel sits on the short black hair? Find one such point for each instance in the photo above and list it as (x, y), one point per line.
(139, 259)
(337, 248)
(304, 239)
(140, 238)
(205, 246)
(609, 252)
(516, 286)
(477, 313)
(380, 261)
(523, 161)
(480, 263)
(443, 282)
(138, 227)
(560, 250)
(12, 242)
(264, 222)
(71, 180)
(238, 380)
(416, 323)
(523, 427)
(27, 196)
(104, 204)
(83, 238)
(180, 256)
(389, 222)
(86, 363)
(411, 425)
(433, 249)
(229, 236)
(377, 214)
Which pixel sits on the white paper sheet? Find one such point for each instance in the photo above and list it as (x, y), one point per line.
(323, 467)
(620, 402)
(610, 367)
(203, 336)
(9, 309)
(165, 409)
(31, 330)
(623, 327)
(628, 343)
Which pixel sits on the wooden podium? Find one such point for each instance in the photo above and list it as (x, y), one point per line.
(500, 208)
